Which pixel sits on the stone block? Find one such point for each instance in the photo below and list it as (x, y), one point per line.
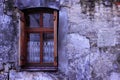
(72, 76)
(106, 37)
(7, 67)
(1, 67)
(3, 76)
(78, 42)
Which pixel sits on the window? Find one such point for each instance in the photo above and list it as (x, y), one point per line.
(117, 2)
(38, 39)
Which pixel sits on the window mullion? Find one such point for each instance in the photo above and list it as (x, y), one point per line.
(41, 39)
(41, 48)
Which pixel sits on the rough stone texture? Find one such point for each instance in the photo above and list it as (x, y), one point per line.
(31, 76)
(106, 37)
(115, 76)
(7, 34)
(78, 63)
(88, 42)
(100, 59)
(4, 76)
(1, 67)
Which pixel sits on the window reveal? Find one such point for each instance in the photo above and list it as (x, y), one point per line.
(38, 39)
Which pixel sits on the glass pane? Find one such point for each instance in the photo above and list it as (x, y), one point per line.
(48, 53)
(48, 20)
(33, 20)
(34, 48)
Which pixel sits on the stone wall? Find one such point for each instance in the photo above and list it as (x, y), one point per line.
(88, 45)
(92, 42)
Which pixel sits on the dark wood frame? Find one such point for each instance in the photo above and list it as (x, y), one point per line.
(24, 31)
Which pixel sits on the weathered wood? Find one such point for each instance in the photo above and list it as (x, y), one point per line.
(55, 37)
(22, 54)
(41, 39)
(39, 30)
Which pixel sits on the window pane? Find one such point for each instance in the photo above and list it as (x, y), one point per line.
(33, 20)
(48, 20)
(48, 53)
(34, 48)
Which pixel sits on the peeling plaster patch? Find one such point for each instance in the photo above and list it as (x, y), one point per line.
(76, 40)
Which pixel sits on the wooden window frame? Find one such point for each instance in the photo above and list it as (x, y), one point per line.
(23, 40)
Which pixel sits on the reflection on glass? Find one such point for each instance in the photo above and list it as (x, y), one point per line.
(48, 20)
(34, 20)
(34, 48)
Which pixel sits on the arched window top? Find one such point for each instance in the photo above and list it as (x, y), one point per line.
(39, 9)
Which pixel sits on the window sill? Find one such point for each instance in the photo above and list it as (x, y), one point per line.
(36, 69)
